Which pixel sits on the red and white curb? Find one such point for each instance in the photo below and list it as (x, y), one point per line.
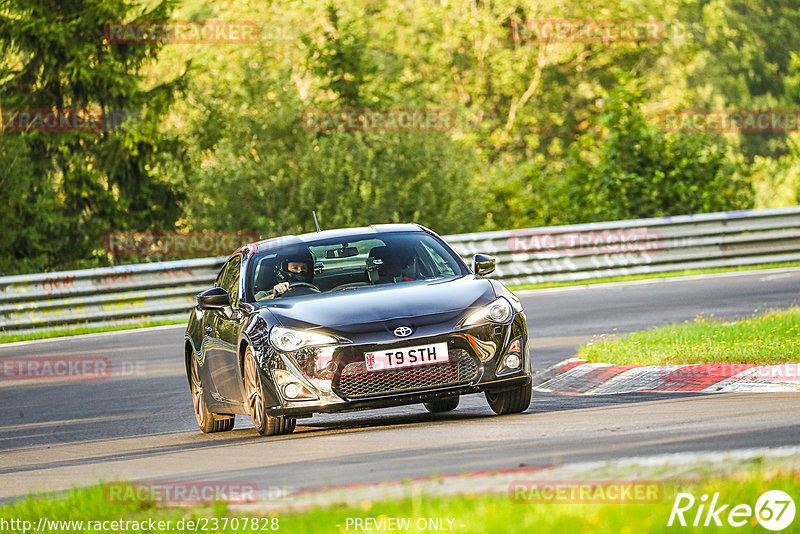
(581, 377)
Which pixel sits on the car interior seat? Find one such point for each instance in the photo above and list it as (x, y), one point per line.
(390, 268)
(265, 276)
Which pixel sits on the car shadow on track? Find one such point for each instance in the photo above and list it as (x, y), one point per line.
(118, 422)
(473, 407)
(555, 402)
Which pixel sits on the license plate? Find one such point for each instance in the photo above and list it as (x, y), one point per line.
(406, 357)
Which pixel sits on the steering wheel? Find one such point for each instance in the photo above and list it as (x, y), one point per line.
(312, 287)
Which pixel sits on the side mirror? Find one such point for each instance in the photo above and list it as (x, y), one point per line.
(215, 298)
(483, 264)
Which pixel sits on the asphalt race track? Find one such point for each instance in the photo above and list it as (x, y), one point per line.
(139, 425)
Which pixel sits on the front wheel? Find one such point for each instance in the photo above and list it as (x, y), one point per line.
(207, 421)
(511, 401)
(266, 425)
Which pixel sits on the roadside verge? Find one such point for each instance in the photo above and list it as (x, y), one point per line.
(578, 376)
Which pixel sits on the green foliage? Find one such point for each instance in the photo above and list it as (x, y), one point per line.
(521, 195)
(778, 179)
(30, 210)
(746, 60)
(261, 171)
(340, 59)
(67, 189)
(546, 133)
(630, 169)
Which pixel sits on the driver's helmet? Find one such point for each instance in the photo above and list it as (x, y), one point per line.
(283, 273)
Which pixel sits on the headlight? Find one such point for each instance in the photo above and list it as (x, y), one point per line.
(289, 339)
(498, 311)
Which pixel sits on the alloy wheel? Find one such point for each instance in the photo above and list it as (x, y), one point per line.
(255, 396)
(197, 395)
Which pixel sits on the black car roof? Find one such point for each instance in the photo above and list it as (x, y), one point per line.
(267, 244)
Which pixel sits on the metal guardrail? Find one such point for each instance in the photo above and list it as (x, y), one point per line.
(166, 290)
(640, 246)
(104, 296)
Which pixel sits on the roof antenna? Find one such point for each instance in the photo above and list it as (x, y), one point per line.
(314, 213)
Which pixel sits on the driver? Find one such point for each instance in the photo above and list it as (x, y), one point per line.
(292, 268)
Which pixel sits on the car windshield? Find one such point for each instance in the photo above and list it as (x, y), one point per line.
(351, 262)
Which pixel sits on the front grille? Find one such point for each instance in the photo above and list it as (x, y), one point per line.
(355, 381)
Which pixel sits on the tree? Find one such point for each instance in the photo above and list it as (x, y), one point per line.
(260, 170)
(629, 169)
(86, 183)
(746, 58)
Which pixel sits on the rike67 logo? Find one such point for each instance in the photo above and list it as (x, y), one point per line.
(774, 510)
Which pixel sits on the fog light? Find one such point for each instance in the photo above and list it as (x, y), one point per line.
(291, 391)
(291, 386)
(512, 361)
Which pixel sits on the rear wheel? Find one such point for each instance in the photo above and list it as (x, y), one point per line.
(509, 401)
(266, 425)
(445, 404)
(207, 421)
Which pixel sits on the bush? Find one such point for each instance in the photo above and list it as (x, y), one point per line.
(627, 169)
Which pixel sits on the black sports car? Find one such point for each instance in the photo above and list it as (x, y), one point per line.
(344, 320)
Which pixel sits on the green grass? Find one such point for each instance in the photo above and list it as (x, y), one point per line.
(766, 339)
(649, 276)
(477, 513)
(9, 338)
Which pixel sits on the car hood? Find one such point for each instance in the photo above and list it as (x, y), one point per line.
(374, 308)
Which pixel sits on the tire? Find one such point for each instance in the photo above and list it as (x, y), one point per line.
(511, 401)
(445, 404)
(207, 421)
(265, 424)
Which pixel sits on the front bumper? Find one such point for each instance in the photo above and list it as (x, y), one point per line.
(338, 377)
(388, 401)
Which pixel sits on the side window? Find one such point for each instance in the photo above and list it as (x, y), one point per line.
(442, 268)
(228, 279)
(221, 275)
